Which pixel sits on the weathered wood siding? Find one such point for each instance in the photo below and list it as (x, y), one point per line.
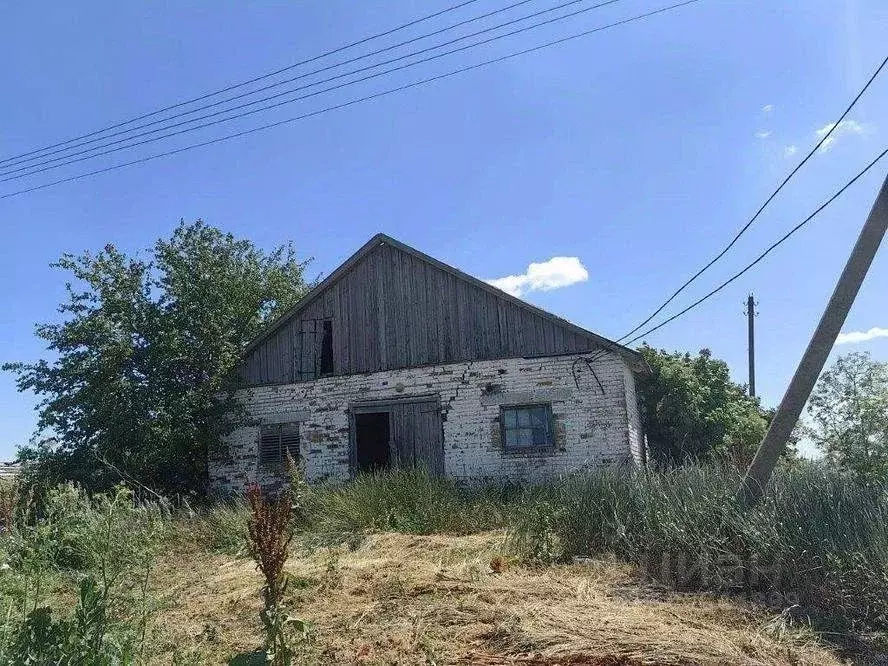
(394, 310)
(416, 436)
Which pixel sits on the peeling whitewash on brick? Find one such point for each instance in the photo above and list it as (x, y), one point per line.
(636, 435)
(592, 428)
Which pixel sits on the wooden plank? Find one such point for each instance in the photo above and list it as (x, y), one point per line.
(345, 328)
(433, 315)
(414, 312)
(559, 345)
(454, 324)
(410, 324)
(263, 369)
(357, 320)
(529, 325)
(371, 327)
(337, 328)
(398, 301)
(414, 323)
(445, 341)
(420, 311)
(379, 291)
(386, 292)
(492, 340)
(274, 357)
(466, 322)
(517, 330)
(504, 332)
(298, 353)
(548, 336)
(403, 433)
(429, 442)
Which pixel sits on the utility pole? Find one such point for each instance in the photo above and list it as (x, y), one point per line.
(750, 331)
(819, 347)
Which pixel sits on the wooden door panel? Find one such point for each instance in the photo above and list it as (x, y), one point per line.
(417, 436)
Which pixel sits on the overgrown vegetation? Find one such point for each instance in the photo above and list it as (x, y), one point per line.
(99, 550)
(818, 539)
(77, 580)
(849, 410)
(692, 412)
(409, 501)
(140, 382)
(270, 531)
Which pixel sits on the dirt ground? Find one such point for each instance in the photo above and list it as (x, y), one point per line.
(400, 599)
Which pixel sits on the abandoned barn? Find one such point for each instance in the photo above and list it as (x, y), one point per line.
(399, 360)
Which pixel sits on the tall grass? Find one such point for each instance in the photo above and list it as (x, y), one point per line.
(817, 539)
(410, 501)
(220, 527)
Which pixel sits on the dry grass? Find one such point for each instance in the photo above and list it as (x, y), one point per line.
(401, 599)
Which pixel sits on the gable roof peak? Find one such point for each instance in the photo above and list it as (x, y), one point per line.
(380, 238)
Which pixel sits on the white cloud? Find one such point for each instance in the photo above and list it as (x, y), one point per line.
(767, 108)
(853, 337)
(554, 273)
(844, 127)
(791, 150)
(763, 134)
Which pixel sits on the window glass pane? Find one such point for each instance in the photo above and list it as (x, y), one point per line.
(525, 437)
(523, 418)
(509, 417)
(539, 437)
(538, 416)
(511, 438)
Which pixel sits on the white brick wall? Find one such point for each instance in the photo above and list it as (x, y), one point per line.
(593, 425)
(633, 417)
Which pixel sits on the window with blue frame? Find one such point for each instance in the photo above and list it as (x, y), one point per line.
(526, 427)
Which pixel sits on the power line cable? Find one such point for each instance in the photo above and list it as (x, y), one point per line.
(96, 151)
(262, 77)
(764, 254)
(359, 100)
(749, 223)
(11, 162)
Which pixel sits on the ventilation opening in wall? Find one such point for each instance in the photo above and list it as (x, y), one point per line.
(372, 441)
(327, 349)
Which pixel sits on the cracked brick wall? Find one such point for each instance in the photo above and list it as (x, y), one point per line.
(594, 413)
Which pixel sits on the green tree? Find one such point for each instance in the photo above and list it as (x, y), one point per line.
(849, 413)
(140, 383)
(692, 411)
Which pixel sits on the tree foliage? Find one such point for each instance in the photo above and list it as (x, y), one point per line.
(849, 412)
(692, 411)
(140, 381)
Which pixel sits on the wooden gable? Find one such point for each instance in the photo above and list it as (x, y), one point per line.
(390, 306)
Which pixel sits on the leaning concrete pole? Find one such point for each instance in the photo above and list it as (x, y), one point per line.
(821, 344)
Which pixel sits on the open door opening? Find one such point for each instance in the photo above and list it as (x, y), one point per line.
(372, 441)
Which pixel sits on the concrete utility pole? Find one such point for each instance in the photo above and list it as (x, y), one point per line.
(821, 344)
(750, 330)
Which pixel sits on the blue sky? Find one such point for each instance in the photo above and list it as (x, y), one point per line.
(639, 151)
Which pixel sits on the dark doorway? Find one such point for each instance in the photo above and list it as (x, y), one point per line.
(372, 441)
